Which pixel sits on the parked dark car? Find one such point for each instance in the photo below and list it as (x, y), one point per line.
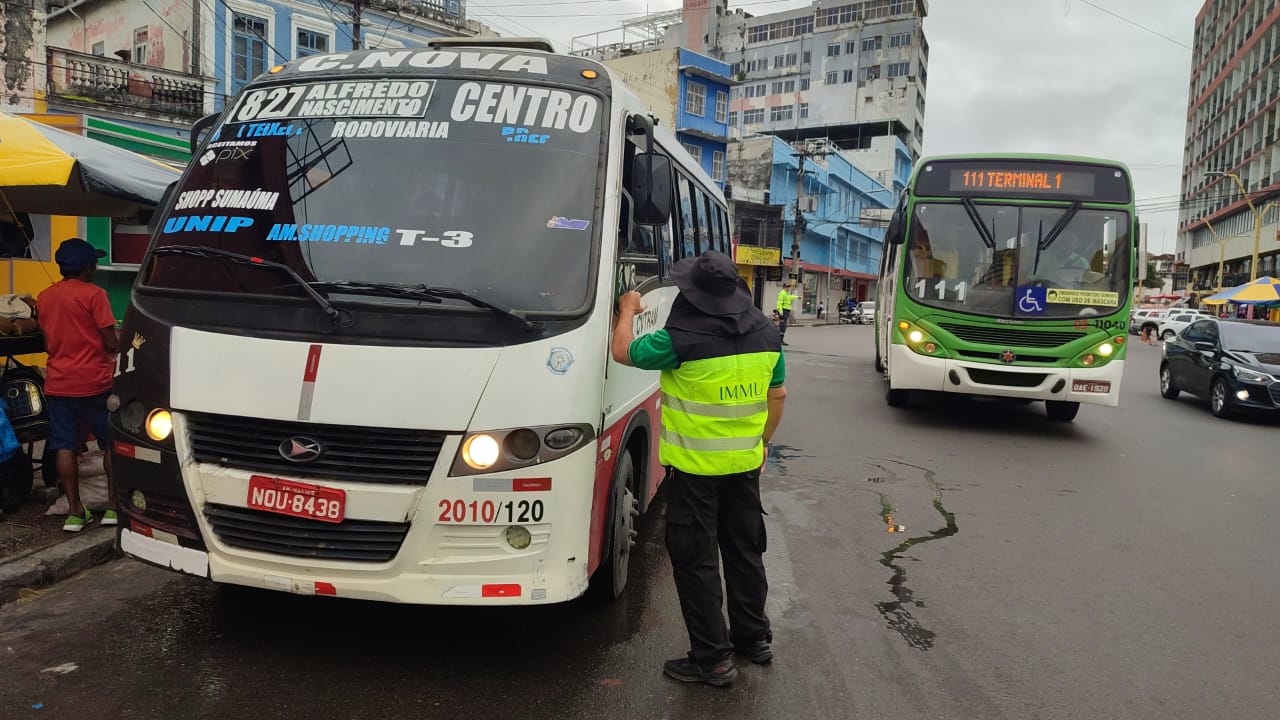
(1233, 363)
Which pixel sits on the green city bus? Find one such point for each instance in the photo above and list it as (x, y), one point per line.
(1009, 276)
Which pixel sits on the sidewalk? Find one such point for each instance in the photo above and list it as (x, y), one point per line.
(35, 552)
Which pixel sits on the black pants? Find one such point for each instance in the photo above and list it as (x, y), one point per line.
(706, 514)
(782, 324)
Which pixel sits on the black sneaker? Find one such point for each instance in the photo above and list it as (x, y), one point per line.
(758, 652)
(722, 674)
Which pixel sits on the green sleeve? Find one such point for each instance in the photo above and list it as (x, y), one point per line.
(779, 371)
(653, 352)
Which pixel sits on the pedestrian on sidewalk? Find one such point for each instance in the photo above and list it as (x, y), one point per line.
(785, 298)
(822, 306)
(722, 399)
(81, 339)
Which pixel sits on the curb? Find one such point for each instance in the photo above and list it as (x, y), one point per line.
(49, 565)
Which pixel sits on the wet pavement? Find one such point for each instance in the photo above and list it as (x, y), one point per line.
(956, 559)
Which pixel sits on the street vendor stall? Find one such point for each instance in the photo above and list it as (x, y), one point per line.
(50, 180)
(1261, 293)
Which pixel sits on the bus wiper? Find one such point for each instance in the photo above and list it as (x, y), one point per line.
(1061, 225)
(237, 258)
(427, 293)
(987, 238)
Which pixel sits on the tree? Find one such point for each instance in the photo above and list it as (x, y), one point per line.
(1153, 281)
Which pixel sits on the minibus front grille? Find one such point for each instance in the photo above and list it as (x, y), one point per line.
(354, 453)
(354, 540)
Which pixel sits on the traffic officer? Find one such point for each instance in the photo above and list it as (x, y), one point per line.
(722, 399)
(785, 298)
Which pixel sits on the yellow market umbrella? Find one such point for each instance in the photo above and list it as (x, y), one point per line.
(47, 171)
(1262, 290)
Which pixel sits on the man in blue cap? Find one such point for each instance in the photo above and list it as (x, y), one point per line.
(81, 339)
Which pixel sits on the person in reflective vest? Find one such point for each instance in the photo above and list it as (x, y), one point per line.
(785, 298)
(722, 399)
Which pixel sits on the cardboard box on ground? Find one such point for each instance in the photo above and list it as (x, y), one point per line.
(93, 485)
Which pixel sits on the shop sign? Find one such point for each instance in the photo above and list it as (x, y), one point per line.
(752, 255)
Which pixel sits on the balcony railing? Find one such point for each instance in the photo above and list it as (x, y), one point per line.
(96, 80)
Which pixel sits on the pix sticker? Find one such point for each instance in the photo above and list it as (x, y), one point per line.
(559, 360)
(564, 223)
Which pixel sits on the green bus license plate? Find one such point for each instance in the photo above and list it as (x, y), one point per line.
(1091, 386)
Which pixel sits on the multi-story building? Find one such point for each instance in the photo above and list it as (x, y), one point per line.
(685, 91)
(843, 210)
(853, 73)
(1232, 152)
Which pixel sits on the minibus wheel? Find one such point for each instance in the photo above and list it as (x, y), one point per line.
(610, 578)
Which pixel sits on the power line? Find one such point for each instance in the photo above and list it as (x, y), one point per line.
(1135, 23)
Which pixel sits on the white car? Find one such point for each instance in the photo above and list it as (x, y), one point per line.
(1177, 320)
(865, 313)
(1146, 318)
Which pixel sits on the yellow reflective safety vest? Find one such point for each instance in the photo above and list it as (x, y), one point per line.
(785, 299)
(715, 404)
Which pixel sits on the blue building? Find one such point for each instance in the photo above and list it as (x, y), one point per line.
(844, 208)
(702, 110)
(255, 35)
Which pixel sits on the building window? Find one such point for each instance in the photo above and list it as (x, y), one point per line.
(694, 150)
(722, 106)
(871, 44)
(248, 49)
(780, 114)
(754, 91)
(695, 99)
(851, 47)
(833, 77)
(804, 84)
(833, 50)
(784, 86)
(100, 49)
(848, 76)
(757, 65)
(871, 72)
(717, 165)
(899, 69)
(808, 57)
(752, 117)
(804, 111)
(900, 40)
(733, 119)
(140, 46)
(735, 69)
(311, 42)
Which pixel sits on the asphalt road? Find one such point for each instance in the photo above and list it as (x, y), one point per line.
(1123, 566)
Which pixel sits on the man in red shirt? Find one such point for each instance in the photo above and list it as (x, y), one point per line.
(81, 339)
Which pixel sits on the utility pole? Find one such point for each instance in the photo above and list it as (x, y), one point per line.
(357, 7)
(798, 227)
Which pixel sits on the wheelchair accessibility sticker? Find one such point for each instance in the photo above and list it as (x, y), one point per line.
(1032, 300)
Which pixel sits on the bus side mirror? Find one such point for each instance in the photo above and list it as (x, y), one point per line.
(651, 189)
(894, 234)
(199, 128)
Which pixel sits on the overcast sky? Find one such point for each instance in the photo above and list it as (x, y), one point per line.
(1057, 76)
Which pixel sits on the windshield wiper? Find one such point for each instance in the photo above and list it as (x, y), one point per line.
(234, 257)
(1061, 225)
(987, 237)
(428, 293)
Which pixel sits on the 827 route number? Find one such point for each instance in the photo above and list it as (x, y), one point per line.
(488, 512)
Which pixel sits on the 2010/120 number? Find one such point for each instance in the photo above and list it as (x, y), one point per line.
(960, 289)
(461, 511)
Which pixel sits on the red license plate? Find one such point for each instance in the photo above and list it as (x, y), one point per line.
(299, 499)
(1091, 386)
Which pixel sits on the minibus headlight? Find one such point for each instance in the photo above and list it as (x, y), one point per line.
(493, 451)
(480, 451)
(562, 438)
(159, 424)
(133, 417)
(1105, 349)
(523, 444)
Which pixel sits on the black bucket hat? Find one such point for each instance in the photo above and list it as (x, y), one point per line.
(710, 282)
